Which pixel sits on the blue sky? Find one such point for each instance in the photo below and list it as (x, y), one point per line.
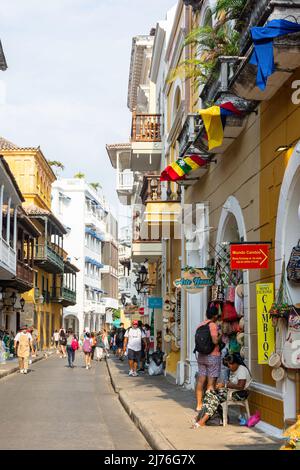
(66, 84)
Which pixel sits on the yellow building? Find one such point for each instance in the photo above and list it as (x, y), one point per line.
(53, 288)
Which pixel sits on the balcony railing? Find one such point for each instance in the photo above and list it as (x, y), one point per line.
(46, 254)
(7, 257)
(125, 181)
(146, 128)
(153, 190)
(24, 272)
(63, 294)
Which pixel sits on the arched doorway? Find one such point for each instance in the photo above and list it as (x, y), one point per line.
(71, 322)
(287, 236)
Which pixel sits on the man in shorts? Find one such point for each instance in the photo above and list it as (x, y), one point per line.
(134, 338)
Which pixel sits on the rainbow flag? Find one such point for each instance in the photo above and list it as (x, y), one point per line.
(214, 120)
(182, 167)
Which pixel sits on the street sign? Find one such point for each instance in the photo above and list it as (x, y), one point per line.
(249, 256)
(155, 302)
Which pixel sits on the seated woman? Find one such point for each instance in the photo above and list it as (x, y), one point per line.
(239, 380)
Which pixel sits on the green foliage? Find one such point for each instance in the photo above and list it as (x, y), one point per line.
(116, 314)
(96, 186)
(210, 42)
(79, 175)
(57, 164)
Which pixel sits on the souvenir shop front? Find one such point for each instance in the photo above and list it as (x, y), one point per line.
(286, 309)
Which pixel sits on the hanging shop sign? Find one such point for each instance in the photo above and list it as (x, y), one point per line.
(265, 328)
(155, 302)
(131, 309)
(193, 280)
(249, 256)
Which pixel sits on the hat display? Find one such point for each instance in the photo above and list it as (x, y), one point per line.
(240, 290)
(278, 374)
(275, 360)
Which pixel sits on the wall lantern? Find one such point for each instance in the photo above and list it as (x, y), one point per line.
(22, 303)
(143, 274)
(138, 285)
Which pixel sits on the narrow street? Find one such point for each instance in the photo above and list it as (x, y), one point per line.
(55, 407)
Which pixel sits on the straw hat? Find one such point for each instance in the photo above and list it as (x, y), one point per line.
(242, 352)
(165, 320)
(173, 299)
(167, 307)
(166, 298)
(166, 314)
(278, 374)
(275, 360)
(168, 338)
(242, 324)
(240, 337)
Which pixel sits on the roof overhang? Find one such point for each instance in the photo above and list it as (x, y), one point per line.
(3, 64)
(121, 150)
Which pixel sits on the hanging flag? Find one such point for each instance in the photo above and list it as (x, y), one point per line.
(183, 166)
(263, 54)
(214, 120)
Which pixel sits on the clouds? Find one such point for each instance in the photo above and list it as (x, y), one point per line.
(67, 78)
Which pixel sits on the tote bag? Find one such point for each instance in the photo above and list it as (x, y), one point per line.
(291, 347)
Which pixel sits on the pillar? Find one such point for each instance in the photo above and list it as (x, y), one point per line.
(8, 221)
(1, 209)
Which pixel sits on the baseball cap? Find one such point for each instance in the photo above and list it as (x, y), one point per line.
(135, 322)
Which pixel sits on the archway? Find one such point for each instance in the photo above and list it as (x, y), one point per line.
(72, 322)
(287, 236)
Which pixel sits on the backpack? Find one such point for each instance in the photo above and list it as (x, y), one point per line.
(203, 340)
(293, 267)
(74, 344)
(87, 348)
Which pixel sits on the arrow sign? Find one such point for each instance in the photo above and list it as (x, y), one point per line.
(249, 256)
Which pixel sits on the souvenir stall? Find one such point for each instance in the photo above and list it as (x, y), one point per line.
(227, 293)
(171, 322)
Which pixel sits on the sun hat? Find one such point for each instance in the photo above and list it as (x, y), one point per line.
(278, 374)
(275, 360)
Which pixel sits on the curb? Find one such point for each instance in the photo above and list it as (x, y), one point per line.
(16, 369)
(153, 436)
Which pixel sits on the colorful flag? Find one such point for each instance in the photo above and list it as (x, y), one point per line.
(214, 120)
(183, 166)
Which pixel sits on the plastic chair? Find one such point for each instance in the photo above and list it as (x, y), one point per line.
(231, 402)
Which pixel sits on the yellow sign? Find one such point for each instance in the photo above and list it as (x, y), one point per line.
(265, 328)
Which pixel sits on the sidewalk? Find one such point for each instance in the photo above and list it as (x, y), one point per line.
(164, 413)
(12, 365)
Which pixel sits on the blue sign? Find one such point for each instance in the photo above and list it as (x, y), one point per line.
(155, 302)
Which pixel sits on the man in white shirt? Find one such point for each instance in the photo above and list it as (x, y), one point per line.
(23, 345)
(134, 339)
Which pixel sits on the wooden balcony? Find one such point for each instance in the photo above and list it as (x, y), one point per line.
(49, 257)
(64, 296)
(25, 274)
(154, 190)
(146, 128)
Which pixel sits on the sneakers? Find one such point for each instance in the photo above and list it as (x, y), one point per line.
(130, 372)
(25, 371)
(135, 374)
(21, 371)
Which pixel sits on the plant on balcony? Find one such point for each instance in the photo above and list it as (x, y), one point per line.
(210, 42)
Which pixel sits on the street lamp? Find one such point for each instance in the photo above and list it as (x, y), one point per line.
(41, 299)
(143, 274)
(22, 303)
(13, 299)
(138, 285)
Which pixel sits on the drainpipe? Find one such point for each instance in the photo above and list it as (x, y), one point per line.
(180, 366)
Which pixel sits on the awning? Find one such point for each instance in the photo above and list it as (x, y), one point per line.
(93, 262)
(94, 234)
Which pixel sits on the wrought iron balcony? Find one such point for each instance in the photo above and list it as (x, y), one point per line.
(146, 128)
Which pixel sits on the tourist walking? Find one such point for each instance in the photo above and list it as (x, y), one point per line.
(99, 346)
(23, 345)
(72, 346)
(106, 343)
(87, 350)
(62, 343)
(134, 339)
(209, 356)
(119, 341)
(56, 340)
(94, 342)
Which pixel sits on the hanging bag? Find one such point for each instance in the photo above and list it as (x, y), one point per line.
(217, 290)
(291, 347)
(282, 306)
(293, 267)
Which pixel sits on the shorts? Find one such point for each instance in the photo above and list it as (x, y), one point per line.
(119, 344)
(56, 343)
(134, 355)
(209, 366)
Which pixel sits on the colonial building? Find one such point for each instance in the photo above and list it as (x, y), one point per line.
(43, 303)
(92, 240)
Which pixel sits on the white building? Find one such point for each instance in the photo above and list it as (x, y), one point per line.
(86, 216)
